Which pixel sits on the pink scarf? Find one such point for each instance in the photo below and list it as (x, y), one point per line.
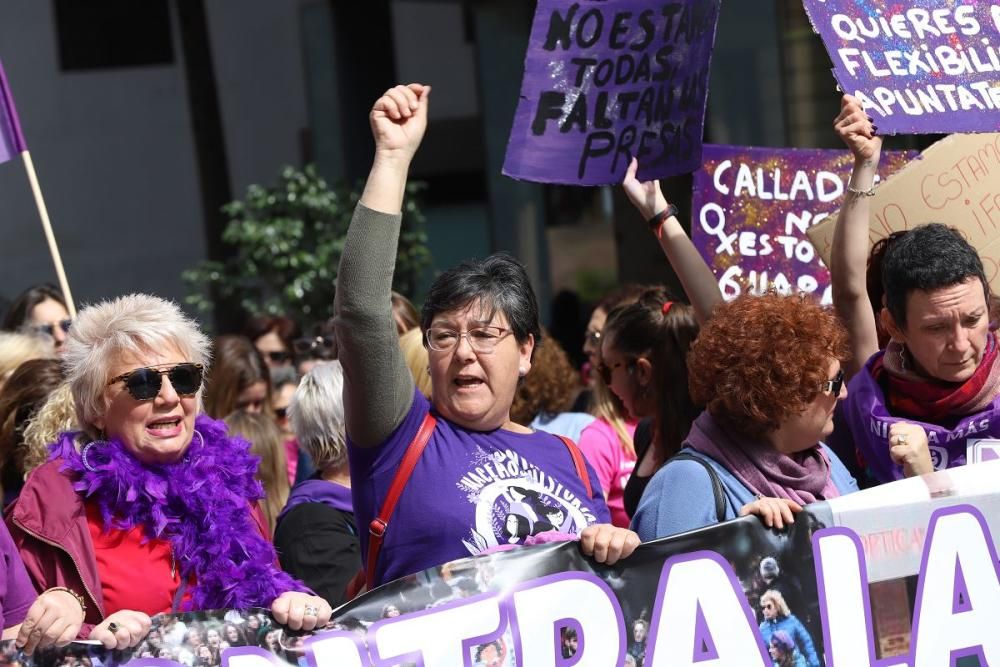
(803, 477)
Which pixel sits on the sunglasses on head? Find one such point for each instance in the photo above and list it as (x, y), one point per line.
(835, 384)
(144, 383)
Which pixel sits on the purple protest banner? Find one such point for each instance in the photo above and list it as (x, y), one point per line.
(606, 80)
(11, 139)
(918, 67)
(752, 207)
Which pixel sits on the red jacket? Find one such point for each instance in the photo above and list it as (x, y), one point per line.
(48, 523)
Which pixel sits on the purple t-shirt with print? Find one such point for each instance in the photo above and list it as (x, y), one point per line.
(862, 421)
(16, 592)
(469, 491)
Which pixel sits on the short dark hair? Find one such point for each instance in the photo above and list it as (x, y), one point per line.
(927, 258)
(19, 311)
(499, 282)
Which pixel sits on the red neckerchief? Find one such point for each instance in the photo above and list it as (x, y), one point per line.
(930, 400)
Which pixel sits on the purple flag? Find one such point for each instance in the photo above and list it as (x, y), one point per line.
(918, 67)
(11, 139)
(605, 80)
(752, 207)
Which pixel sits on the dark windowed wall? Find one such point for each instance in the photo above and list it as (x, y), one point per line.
(104, 34)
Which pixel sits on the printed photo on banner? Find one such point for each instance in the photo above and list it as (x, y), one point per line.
(752, 209)
(905, 571)
(606, 80)
(918, 67)
(956, 182)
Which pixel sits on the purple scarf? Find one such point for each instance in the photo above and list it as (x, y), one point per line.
(201, 505)
(803, 477)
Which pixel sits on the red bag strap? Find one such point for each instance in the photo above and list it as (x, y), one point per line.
(580, 463)
(377, 528)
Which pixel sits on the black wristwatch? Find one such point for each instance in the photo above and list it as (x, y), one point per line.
(657, 220)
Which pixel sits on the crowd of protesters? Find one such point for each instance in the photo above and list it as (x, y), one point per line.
(145, 467)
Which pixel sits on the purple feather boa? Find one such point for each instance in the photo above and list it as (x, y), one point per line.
(201, 505)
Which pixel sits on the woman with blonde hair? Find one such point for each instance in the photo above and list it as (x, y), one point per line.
(17, 348)
(152, 507)
(266, 442)
(779, 618)
(55, 416)
(316, 537)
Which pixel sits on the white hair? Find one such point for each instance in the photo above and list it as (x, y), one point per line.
(317, 415)
(130, 325)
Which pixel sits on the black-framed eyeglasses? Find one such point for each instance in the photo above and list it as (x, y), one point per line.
(319, 347)
(278, 356)
(482, 339)
(835, 384)
(281, 413)
(50, 329)
(144, 384)
(607, 371)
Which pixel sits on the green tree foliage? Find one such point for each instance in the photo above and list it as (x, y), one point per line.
(286, 244)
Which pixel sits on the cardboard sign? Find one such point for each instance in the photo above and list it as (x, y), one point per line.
(920, 66)
(752, 208)
(606, 80)
(957, 182)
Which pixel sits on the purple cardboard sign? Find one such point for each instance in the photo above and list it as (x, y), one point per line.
(606, 80)
(918, 67)
(752, 207)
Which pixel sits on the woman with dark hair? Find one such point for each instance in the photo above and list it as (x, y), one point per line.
(643, 351)
(768, 371)
(480, 323)
(913, 406)
(40, 309)
(29, 387)
(649, 340)
(234, 635)
(239, 380)
(272, 335)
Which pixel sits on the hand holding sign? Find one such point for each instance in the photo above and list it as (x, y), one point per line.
(856, 130)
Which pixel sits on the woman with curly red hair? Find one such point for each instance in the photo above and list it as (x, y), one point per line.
(768, 371)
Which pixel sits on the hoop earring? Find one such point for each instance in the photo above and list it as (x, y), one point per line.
(201, 439)
(85, 451)
(902, 356)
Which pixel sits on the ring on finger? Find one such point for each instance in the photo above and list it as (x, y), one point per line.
(113, 627)
(311, 610)
(901, 439)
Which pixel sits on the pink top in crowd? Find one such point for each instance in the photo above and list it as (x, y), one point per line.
(613, 464)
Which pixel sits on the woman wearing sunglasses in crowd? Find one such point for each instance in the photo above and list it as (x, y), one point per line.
(768, 371)
(151, 508)
(480, 321)
(272, 335)
(40, 310)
